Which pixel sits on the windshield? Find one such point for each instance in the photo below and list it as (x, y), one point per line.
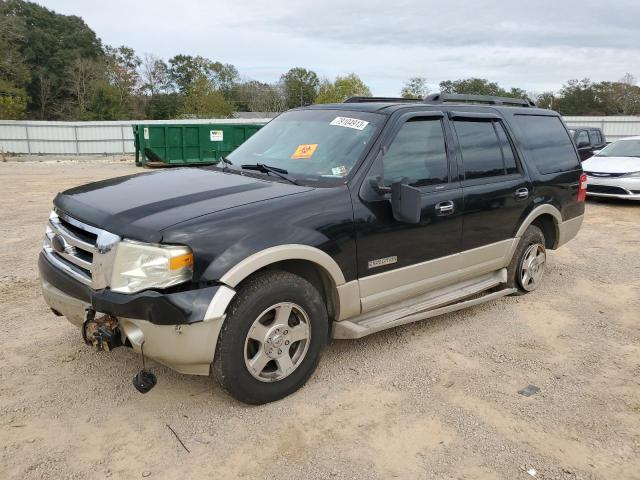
(313, 146)
(621, 148)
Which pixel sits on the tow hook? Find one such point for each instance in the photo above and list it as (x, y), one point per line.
(102, 332)
(144, 379)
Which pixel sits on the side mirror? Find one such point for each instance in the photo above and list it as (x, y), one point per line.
(406, 202)
(595, 152)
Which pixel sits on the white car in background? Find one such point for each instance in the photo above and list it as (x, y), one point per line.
(615, 170)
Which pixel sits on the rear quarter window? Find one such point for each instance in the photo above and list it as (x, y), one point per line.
(548, 142)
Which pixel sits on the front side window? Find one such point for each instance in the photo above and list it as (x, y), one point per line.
(314, 146)
(582, 137)
(594, 137)
(418, 153)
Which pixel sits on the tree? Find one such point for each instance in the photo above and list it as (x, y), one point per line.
(415, 87)
(106, 104)
(544, 99)
(254, 96)
(619, 98)
(300, 86)
(164, 106)
(204, 101)
(13, 101)
(185, 69)
(46, 48)
(341, 89)
(224, 77)
(155, 75)
(479, 86)
(579, 97)
(82, 79)
(12, 67)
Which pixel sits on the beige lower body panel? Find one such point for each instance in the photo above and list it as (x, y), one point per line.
(407, 282)
(437, 302)
(72, 308)
(185, 348)
(568, 230)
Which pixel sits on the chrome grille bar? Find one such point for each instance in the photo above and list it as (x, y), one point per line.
(68, 248)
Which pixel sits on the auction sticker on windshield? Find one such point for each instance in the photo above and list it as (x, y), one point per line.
(305, 151)
(354, 123)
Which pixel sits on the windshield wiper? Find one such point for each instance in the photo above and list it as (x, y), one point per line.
(226, 162)
(261, 167)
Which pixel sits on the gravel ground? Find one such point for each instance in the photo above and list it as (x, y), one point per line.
(436, 399)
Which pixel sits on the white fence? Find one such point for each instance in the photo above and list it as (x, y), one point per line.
(81, 138)
(614, 128)
(104, 138)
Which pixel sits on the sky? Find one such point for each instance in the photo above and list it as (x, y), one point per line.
(535, 45)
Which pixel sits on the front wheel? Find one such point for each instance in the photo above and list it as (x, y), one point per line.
(527, 266)
(271, 340)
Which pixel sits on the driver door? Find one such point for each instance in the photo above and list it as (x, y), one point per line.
(399, 260)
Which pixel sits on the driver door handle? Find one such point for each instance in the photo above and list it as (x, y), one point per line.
(521, 193)
(445, 208)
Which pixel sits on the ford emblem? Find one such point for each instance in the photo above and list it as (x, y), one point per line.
(58, 243)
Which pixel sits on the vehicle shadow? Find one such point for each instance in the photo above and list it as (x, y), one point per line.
(613, 202)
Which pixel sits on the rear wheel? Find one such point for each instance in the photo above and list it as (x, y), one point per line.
(271, 340)
(527, 266)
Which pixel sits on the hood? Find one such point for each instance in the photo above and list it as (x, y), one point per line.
(141, 206)
(611, 164)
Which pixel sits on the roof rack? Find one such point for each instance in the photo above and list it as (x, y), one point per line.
(438, 98)
(380, 99)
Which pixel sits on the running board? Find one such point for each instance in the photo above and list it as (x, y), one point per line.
(435, 303)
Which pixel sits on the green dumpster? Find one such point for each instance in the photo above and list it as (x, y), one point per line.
(188, 143)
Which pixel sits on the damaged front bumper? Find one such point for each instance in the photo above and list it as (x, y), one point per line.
(179, 330)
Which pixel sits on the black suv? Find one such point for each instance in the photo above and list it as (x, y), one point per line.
(589, 141)
(332, 221)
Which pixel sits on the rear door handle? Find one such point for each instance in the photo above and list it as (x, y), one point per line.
(521, 193)
(445, 208)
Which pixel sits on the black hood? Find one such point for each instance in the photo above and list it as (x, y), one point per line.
(141, 206)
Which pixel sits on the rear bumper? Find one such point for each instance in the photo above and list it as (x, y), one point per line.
(175, 333)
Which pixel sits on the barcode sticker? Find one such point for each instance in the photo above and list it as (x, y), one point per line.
(354, 123)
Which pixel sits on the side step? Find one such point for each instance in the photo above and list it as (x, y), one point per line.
(435, 303)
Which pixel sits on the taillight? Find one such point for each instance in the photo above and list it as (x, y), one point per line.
(582, 190)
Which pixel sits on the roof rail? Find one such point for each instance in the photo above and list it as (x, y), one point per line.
(380, 99)
(438, 98)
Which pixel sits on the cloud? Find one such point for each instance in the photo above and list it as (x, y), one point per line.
(533, 45)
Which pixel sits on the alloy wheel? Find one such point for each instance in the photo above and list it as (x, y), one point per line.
(277, 342)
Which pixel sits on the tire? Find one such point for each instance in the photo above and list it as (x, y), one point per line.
(523, 272)
(261, 332)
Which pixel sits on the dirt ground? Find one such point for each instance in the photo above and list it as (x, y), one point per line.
(437, 399)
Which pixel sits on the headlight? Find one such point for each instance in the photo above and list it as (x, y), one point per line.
(633, 175)
(139, 266)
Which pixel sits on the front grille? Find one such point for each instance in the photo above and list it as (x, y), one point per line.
(604, 174)
(606, 189)
(82, 251)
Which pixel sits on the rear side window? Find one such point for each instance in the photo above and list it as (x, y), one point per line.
(594, 137)
(485, 147)
(548, 142)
